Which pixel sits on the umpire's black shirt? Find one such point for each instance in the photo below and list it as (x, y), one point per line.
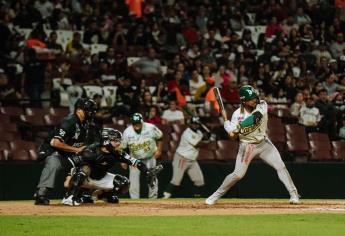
(72, 132)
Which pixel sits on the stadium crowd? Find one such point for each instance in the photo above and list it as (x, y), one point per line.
(292, 51)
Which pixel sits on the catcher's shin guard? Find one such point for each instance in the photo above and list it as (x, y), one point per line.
(76, 181)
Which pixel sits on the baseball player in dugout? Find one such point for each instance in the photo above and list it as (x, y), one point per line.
(90, 170)
(249, 122)
(144, 142)
(185, 159)
(67, 139)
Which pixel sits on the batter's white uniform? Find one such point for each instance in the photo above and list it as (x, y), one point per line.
(141, 146)
(253, 143)
(185, 159)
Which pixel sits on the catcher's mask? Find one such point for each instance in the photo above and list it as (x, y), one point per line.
(108, 135)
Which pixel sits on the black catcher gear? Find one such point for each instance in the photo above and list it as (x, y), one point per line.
(108, 135)
(152, 173)
(194, 120)
(121, 184)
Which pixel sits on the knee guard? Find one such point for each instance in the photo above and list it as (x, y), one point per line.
(77, 180)
(121, 184)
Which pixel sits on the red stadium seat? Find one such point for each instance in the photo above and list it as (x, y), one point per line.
(320, 145)
(52, 120)
(166, 129)
(319, 137)
(34, 111)
(206, 155)
(33, 120)
(20, 155)
(4, 119)
(226, 154)
(9, 127)
(227, 145)
(321, 155)
(7, 136)
(166, 143)
(299, 147)
(295, 129)
(4, 145)
(61, 111)
(210, 146)
(338, 150)
(12, 111)
(179, 128)
(22, 145)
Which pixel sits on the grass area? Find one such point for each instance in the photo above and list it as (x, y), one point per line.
(308, 224)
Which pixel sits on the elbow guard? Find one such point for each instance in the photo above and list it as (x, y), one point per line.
(252, 119)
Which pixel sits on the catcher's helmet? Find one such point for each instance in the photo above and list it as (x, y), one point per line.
(87, 105)
(137, 118)
(110, 134)
(247, 92)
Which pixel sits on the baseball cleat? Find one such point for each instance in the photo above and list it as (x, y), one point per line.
(166, 195)
(41, 200)
(211, 200)
(70, 201)
(294, 200)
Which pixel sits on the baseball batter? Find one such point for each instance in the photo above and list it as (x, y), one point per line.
(185, 159)
(144, 141)
(250, 123)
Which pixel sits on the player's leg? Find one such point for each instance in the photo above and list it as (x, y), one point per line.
(179, 165)
(77, 179)
(134, 178)
(49, 173)
(153, 187)
(195, 174)
(246, 153)
(270, 154)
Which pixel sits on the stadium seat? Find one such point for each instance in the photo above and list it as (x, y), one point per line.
(22, 145)
(61, 111)
(34, 111)
(227, 145)
(278, 139)
(209, 146)
(7, 136)
(319, 137)
(175, 136)
(12, 111)
(206, 155)
(4, 119)
(179, 128)
(4, 145)
(91, 90)
(9, 127)
(52, 120)
(295, 129)
(320, 145)
(166, 143)
(166, 129)
(299, 147)
(20, 155)
(34, 120)
(226, 154)
(338, 150)
(2, 156)
(320, 155)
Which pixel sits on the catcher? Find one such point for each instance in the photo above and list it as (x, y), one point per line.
(90, 170)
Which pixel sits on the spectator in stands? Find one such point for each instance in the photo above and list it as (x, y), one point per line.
(75, 46)
(321, 51)
(7, 91)
(229, 91)
(330, 85)
(337, 46)
(148, 65)
(297, 105)
(327, 111)
(45, 7)
(172, 115)
(195, 82)
(153, 116)
(161, 92)
(221, 77)
(128, 97)
(102, 114)
(93, 34)
(301, 17)
(118, 37)
(273, 28)
(309, 116)
(146, 102)
(52, 44)
(211, 104)
(33, 78)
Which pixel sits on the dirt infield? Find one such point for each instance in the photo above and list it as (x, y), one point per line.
(175, 207)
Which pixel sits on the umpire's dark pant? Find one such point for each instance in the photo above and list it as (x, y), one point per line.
(52, 167)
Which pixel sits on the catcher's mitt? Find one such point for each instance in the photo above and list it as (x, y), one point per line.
(152, 174)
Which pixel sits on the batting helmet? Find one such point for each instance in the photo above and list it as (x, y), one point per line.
(137, 118)
(87, 105)
(247, 92)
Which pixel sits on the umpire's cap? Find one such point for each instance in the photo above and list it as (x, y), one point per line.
(137, 118)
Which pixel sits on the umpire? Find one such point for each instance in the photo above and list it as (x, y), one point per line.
(69, 137)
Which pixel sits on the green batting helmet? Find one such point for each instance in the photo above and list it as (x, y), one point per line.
(247, 92)
(137, 118)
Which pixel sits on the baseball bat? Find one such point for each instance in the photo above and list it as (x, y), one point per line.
(220, 102)
(189, 112)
